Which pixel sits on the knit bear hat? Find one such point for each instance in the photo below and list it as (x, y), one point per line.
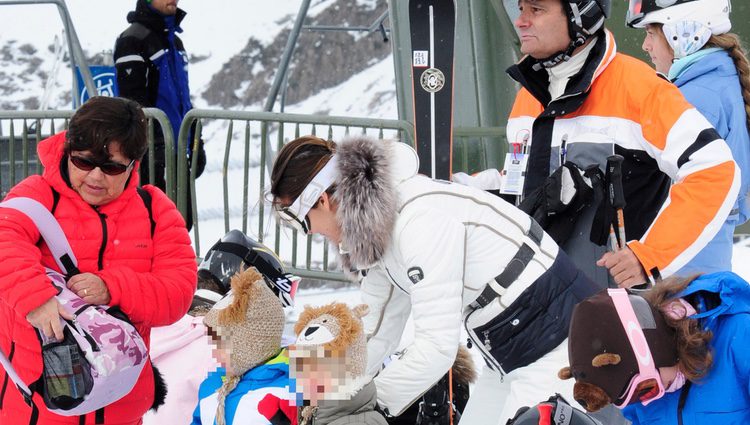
(249, 322)
(602, 359)
(332, 339)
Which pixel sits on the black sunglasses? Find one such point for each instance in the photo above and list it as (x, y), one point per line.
(109, 168)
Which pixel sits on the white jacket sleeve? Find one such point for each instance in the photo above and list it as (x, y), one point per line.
(435, 244)
(386, 319)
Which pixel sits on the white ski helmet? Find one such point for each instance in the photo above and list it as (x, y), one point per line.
(687, 24)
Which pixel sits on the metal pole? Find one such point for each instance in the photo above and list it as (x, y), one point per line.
(281, 72)
(287, 56)
(76, 53)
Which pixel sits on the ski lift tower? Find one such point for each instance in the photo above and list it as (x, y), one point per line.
(74, 46)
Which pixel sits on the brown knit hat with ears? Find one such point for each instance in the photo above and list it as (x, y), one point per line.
(332, 337)
(249, 321)
(602, 361)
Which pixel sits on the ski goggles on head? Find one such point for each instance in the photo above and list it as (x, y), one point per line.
(227, 258)
(295, 215)
(635, 13)
(646, 385)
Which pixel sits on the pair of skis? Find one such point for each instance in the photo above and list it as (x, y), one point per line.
(432, 24)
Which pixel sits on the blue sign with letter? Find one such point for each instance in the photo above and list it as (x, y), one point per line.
(104, 81)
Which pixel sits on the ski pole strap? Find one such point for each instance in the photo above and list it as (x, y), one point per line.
(513, 270)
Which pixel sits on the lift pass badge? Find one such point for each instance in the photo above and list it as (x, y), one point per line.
(513, 174)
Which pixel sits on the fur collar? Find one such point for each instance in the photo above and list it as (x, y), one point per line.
(367, 200)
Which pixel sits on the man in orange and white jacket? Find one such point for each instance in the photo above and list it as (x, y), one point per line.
(582, 101)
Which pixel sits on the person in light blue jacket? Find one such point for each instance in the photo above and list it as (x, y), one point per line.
(689, 43)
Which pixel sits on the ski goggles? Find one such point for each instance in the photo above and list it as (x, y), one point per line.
(646, 385)
(224, 261)
(109, 168)
(635, 10)
(295, 215)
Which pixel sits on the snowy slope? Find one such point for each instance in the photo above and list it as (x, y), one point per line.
(213, 33)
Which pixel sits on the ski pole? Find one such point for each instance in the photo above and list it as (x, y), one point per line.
(450, 394)
(617, 200)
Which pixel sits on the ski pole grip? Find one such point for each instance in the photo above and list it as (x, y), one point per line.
(614, 172)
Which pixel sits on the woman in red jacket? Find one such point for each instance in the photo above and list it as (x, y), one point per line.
(131, 255)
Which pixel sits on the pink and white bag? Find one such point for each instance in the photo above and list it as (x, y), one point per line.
(102, 355)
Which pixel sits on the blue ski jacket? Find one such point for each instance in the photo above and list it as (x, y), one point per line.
(261, 397)
(711, 84)
(722, 396)
(151, 63)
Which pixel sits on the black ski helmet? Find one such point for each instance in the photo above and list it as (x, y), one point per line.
(585, 19)
(555, 411)
(234, 252)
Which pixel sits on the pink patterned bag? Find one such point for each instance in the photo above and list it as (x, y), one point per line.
(102, 355)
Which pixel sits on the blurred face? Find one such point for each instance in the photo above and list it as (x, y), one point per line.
(93, 185)
(318, 376)
(542, 27)
(655, 44)
(165, 7)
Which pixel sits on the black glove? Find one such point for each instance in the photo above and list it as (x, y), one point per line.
(556, 205)
(557, 411)
(201, 159)
(435, 407)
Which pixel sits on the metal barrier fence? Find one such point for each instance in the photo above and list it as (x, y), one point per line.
(20, 131)
(250, 140)
(247, 143)
(230, 193)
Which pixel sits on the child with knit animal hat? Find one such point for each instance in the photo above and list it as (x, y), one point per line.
(327, 367)
(252, 386)
(676, 354)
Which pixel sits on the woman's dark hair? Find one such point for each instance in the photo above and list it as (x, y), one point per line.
(693, 350)
(103, 120)
(296, 165)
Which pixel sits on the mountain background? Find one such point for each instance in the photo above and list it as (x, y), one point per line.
(234, 48)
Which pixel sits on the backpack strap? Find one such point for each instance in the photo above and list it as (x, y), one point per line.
(55, 200)
(146, 197)
(50, 230)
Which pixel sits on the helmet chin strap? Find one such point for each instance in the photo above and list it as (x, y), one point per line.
(561, 56)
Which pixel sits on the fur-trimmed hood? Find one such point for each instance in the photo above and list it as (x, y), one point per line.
(369, 170)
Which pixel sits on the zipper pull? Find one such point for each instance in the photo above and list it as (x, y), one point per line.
(563, 149)
(487, 342)
(468, 343)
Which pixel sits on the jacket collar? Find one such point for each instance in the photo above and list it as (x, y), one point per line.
(146, 15)
(537, 81)
(717, 63)
(366, 198)
(361, 402)
(51, 155)
(718, 294)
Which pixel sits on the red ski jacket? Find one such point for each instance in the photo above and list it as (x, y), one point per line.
(152, 279)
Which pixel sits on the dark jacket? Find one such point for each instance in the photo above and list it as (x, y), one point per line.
(151, 63)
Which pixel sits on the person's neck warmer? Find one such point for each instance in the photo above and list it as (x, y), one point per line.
(562, 72)
(681, 65)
